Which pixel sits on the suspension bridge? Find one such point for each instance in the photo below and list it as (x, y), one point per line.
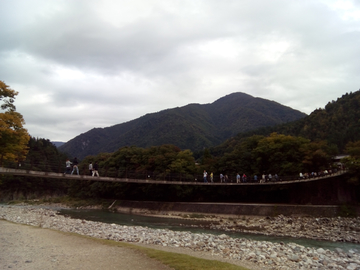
(149, 180)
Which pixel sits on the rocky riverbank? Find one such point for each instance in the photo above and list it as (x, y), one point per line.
(330, 229)
(264, 254)
(335, 229)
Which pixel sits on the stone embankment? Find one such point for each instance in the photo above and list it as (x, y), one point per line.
(264, 254)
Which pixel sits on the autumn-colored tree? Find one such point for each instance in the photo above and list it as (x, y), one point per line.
(7, 96)
(13, 136)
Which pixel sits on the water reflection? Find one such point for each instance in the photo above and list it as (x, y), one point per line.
(193, 226)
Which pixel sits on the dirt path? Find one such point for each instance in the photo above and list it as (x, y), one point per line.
(25, 247)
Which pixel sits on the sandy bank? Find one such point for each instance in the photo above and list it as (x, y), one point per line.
(27, 247)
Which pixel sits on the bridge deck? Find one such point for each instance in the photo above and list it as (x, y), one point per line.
(147, 181)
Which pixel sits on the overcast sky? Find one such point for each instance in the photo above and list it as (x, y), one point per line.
(84, 64)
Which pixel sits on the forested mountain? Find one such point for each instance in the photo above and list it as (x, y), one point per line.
(194, 126)
(338, 123)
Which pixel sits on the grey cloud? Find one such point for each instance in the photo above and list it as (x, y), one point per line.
(70, 57)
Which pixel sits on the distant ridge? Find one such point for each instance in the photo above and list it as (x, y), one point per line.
(193, 126)
(58, 144)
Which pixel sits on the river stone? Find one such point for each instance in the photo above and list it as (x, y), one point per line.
(294, 258)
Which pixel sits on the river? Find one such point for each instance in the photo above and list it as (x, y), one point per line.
(193, 226)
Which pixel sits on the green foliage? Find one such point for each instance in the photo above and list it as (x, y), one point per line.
(352, 162)
(280, 154)
(44, 156)
(186, 262)
(337, 124)
(157, 160)
(175, 260)
(327, 132)
(316, 155)
(277, 153)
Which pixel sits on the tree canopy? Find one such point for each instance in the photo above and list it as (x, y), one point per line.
(13, 136)
(7, 96)
(337, 123)
(352, 162)
(276, 153)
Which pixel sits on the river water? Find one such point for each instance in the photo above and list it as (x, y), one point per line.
(192, 226)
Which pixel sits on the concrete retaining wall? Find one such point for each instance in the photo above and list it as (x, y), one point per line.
(237, 209)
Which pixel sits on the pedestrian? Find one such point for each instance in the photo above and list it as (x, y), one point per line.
(75, 163)
(95, 169)
(221, 177)
(212, 177)
(205, 176)
(90, 168)
(68, 166)
(263, 178)
(238, 178)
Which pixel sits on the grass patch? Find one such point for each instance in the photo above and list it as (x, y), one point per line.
(186, 262)
(176, 261)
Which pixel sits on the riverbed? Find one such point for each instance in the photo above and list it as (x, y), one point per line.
(195, 225)
(264, 254)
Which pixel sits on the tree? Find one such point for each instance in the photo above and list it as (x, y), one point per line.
(317, 155)
(44, 156)
(13, 136)
(280, 154)
(7, 96)
(353, 161)
(184, 163)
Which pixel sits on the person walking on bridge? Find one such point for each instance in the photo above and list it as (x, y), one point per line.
(205, 176)
(95, 169)
(91, 168)
(68, 166)
(75, 163)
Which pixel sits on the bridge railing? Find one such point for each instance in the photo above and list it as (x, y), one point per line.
(44, 166)
(59, 167)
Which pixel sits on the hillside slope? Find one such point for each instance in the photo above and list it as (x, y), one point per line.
(338, 123)
(193, 126)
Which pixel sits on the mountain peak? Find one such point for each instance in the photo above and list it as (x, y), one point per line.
(193, 126)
